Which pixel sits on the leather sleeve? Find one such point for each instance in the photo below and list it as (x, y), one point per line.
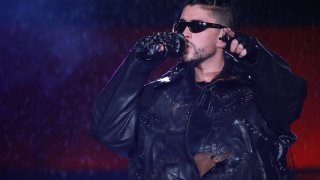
(114, 111)
(280, 93)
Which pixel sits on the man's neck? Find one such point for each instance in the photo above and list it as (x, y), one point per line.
(207, 70)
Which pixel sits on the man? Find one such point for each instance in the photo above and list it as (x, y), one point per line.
(224, 112)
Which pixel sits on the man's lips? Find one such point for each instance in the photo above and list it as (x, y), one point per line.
(186, 48)
(188, 45)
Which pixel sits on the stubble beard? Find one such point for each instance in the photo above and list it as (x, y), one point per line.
(198, 55)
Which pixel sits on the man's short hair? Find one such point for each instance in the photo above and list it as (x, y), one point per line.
(221, 9)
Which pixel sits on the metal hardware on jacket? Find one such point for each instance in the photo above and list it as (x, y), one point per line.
(236, 127)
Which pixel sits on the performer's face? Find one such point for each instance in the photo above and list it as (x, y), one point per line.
(201, 45)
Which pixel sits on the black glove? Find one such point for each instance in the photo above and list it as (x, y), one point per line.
(149, 47)
(249, 43)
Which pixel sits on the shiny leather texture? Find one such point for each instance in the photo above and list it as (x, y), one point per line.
(161, 126)
(149, 48)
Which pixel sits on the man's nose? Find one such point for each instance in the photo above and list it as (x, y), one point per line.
(187, 33)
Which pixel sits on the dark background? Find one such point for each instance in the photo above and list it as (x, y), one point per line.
(55, 56)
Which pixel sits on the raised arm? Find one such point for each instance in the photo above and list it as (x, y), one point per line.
(279, 92)
(115, 110)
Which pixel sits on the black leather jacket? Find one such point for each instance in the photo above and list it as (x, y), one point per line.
(244, 114)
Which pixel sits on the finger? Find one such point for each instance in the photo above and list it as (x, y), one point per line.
(243, 53)
(239, 49)
(234, 45)
(161, 47)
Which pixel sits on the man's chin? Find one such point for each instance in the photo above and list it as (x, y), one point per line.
(189, 59)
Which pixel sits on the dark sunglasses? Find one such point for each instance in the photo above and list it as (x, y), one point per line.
(194, 26)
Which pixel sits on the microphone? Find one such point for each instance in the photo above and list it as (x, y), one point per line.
(181, 44)
(160, 46)
(174, 45)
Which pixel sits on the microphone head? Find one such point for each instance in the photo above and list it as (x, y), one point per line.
(180, 45)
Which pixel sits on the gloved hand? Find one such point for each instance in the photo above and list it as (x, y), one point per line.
(160, 46)
(242, 45)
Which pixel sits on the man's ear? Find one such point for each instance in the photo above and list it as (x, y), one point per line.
(222, 39)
